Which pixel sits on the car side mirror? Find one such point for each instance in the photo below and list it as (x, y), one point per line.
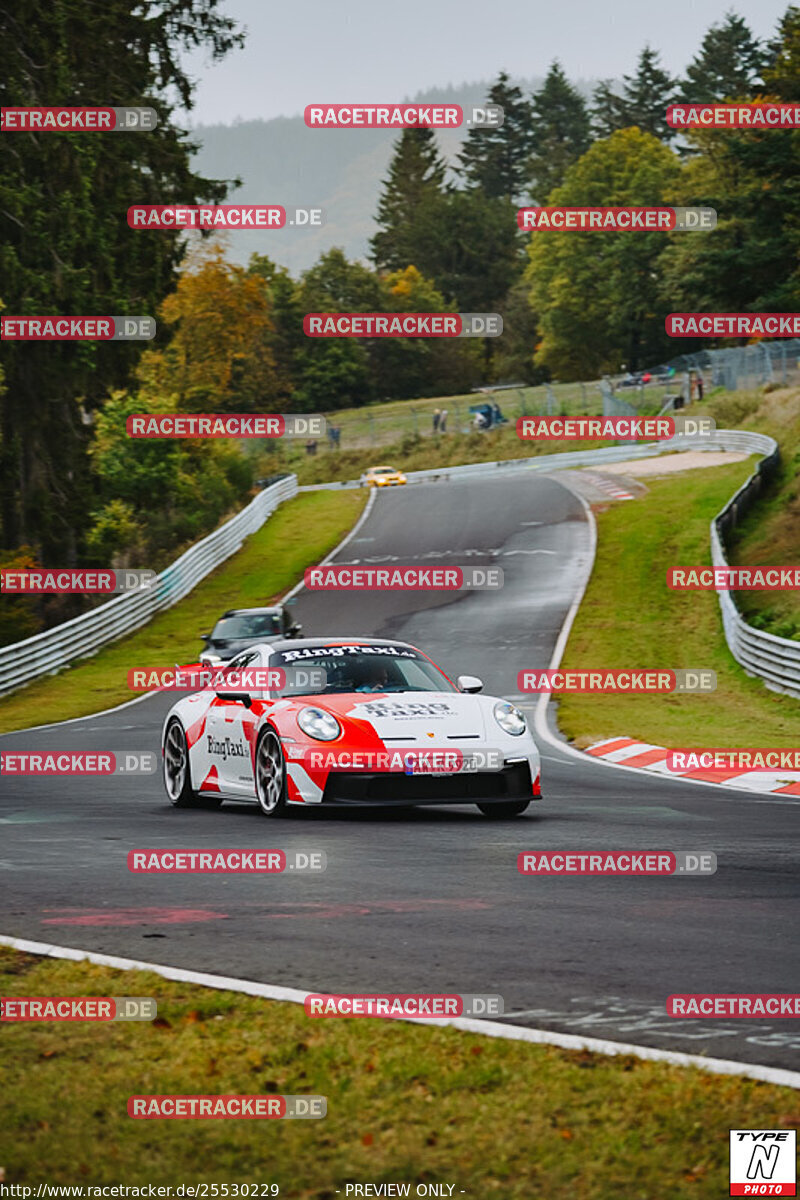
(204, 637)
(296, 630)
(469, 683)
(236, 698)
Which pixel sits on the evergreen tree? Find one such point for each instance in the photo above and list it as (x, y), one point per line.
(65, 246)
(750, 177)
(560, 133)
(646, 95)
(416, 177)
(782, 70)
(607, 110)
(728, 65)
(494, 159)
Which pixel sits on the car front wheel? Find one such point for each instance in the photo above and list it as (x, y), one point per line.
(504, 810)
(270, 775)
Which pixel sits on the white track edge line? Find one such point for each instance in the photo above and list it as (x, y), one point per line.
(518, 1033)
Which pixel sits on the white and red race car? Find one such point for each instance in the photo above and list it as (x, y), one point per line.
(347, 721)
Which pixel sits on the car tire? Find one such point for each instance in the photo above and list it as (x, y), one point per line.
(176, 772)
(270, 775)
(504, 810)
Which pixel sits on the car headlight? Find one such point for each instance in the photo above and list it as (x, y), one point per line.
(509, 718)
(318, 724)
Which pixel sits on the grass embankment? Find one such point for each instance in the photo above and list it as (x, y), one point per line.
(412, 453)
(630, 618)
(297, 535)
(405, 1103)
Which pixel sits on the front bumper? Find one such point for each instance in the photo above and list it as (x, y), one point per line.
(390, 787)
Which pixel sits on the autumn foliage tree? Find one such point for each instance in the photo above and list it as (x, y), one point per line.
(218, 358)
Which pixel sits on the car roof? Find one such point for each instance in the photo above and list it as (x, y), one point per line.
(301, 643)
(243, 612)
(382, 467)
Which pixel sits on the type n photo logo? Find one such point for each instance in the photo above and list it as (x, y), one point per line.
(763, 1162)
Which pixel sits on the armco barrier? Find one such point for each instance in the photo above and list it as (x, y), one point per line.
(722, 439)
(774, 659)
(48, 652)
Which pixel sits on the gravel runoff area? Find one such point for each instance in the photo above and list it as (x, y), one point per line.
(665, 464)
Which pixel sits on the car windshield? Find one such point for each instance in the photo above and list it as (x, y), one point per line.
(329, 670)
(247, 625)
(383, 471)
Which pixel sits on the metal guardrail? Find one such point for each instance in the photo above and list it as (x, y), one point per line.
(567, 459)
(774, 659)
(51, 651)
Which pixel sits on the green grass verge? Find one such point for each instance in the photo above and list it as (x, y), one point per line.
(412, 453)
(405, 1103)
(297, 535)
(629, 618)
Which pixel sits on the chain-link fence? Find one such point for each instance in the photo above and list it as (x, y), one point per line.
(387, 424)
(741, 367)
(664, 387)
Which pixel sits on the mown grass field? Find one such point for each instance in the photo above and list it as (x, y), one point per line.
(405, 1103)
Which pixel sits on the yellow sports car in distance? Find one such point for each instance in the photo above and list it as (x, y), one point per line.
(382, 477)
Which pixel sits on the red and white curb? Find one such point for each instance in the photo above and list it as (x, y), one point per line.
(609, 486)
(496, 1029)
(649, 757)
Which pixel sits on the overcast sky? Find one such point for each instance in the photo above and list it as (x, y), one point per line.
(370, 50)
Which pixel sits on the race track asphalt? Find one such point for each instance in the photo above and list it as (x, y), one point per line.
(431, 900)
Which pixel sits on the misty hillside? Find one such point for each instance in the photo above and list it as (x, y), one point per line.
(339, 170)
